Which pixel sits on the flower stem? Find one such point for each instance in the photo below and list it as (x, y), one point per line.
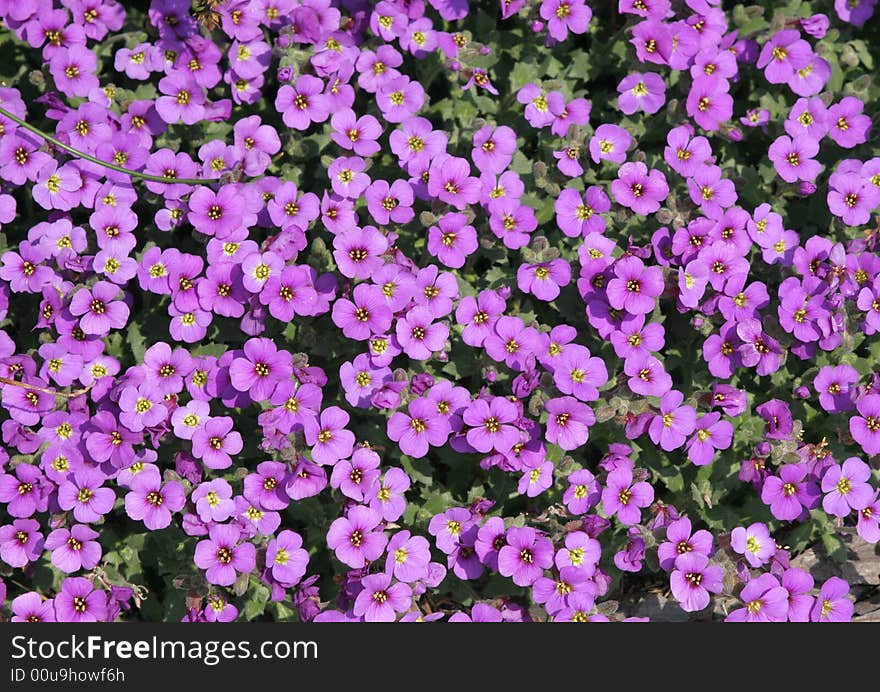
(25, 385)
(106, 164)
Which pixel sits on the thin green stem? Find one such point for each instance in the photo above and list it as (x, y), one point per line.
(106, 164)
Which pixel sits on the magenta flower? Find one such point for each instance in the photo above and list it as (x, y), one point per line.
(260, 369)
(865, 428)
(30, 607)
(365, 315)
(646, 92)
(711, 434)
(79, 601)
(419, 336)
(623, 497)
(303, 103)
(693, 579)
(493, 148)
(639, 189)
(674, 423)
(634, 287)
(793, 158)
(418, 429)
(408, 557)
(754, 543)
(568, 422)
(452, 240)
(682, 540)
(354, 539)
(525, 556)
(98, 309)
(356, 134)
(22, 542)
(223, 556)
(848, 126)
(83, 492)
(152, 501)
(833, 385)
(286, 559)
(764, 599)
(216, 442)
(783, 55)
(356, 478)
(74, 549)
(491, 424)
(327, 436)
(832, 604)
(790, 493)
(846, 487)
(380, 600)
(708, 102)
(609, 142)
(579, 215)
(566, 16)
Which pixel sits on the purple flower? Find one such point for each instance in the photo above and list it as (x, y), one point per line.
(418, 430)
(83, 492)
(260, 369)
(74, 549)
(79, 601)
(568, 422)
(579, 215)
(639, 189)
(493, 148)
(354, 539)
(674, 423)
(623, 497)
(98, 309)
(784, 54)
(21, 542)
(833, 386)
(846, 487)
(22, 491)
(213, 501)
(380, 600)
(30, 607)
(793, 158)
(525, 556)
(634, 287)
(215, 442)
(419, 335)
(303, 103)
(646, 92)
(848, 126)
(681, 540)
(153, 501)
(865, 428)
(708, 102)
(711, 434)
(754, 543)
(408, 557)
(223, 557)
(327, 436)
(798, 583)
(764, 599)
(609, 142)
(367, 314)
(832, 604)
(286, 559)
(693, 579)
(491, 425)
(452, 240)
(790, 493)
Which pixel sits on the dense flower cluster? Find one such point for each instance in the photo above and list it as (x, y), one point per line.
(343, 310)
